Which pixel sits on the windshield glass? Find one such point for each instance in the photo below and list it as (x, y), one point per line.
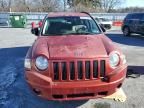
(70, 25)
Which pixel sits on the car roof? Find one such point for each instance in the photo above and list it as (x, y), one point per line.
(135, 13)
(58, 14)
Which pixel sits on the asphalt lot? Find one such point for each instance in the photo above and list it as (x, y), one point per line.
(15, 93)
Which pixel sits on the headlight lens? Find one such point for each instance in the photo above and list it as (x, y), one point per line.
(114, 59)
(27, 63)
(41, 63)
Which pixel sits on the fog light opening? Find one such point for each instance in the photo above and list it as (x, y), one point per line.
(105, 79)
(58, 96)
(119, 86)
(104, 93)
(38, 92)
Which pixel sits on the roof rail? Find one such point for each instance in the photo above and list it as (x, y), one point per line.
(88, 14)
(85, 13)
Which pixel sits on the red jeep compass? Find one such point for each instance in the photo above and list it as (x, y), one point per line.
(72, 59)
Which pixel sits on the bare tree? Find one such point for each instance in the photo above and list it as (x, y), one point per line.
(50, 5)
(21, 6)
(30, 5)
(36, 6)
(77, 2)
(27, 4)
(3, 5)
(58, 5)
(84, 5)
(130, 10)
(109, 5)
(9, 4)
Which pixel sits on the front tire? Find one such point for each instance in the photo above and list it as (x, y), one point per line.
(126, 31)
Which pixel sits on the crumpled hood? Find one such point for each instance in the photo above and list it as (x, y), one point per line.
(75, 47)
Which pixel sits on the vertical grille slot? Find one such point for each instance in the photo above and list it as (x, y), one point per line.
(80, 69)
(95, 69)
(102, 68)
(56, 70)
(87, 69)
(64, 71)
(72, 71)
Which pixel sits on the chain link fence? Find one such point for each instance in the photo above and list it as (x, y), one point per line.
(36, 17)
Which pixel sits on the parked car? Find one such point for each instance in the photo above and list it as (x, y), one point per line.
(106, 23)
(72, 59)
(4, 22)
(133, 23)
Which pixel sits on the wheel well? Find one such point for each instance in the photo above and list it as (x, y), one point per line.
(125, 27)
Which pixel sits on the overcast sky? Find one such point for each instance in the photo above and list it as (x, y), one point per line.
(133, 3)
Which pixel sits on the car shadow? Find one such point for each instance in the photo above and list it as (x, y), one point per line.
(14, 91)
(134, 40)
(135, 71)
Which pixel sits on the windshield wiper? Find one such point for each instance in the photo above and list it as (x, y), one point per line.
(82, 33)
(73, 33)
(54, 34)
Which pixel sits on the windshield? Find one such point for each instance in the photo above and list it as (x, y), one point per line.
(70, 25)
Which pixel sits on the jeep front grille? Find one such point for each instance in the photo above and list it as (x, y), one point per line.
(78, 70)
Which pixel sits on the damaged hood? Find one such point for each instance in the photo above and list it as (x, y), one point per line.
(75, 46)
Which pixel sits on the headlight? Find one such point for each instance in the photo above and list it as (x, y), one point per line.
(27, 63)
(114, 59)
(41, 63)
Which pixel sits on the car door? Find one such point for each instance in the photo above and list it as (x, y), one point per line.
(136, 23)
(141, 24)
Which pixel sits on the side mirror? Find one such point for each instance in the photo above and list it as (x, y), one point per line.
(102, 28)
(35, 31)
(33, 25)
(40, 24)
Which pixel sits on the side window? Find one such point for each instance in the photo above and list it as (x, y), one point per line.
(142, 17)
(134, 16)
(129, 16)
(139, 16)
(93, 26)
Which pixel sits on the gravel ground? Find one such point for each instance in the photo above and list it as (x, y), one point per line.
(15, 93)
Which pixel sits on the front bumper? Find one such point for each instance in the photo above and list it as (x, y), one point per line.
(74, 90)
